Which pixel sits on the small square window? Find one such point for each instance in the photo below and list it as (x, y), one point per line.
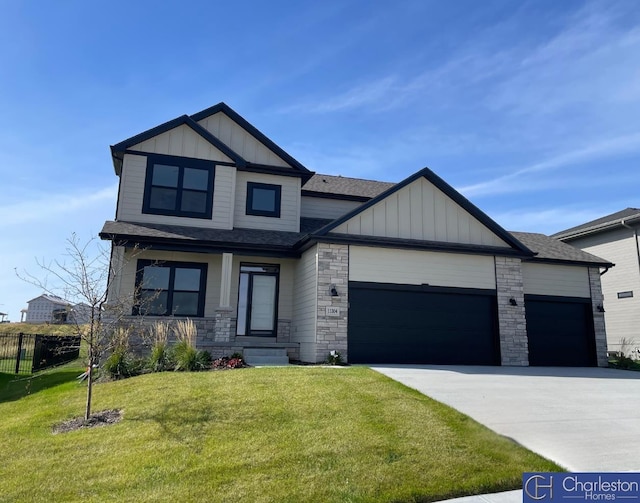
(263, 199)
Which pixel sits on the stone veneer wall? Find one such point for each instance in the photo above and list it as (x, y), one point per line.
(331, 330)
(597, 299)
(514, 345)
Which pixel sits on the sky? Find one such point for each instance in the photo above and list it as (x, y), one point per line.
(531, 109)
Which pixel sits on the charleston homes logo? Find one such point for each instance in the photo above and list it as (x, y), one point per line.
(565, 487)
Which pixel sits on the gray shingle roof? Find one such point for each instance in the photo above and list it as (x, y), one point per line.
(599, 223)
(257, 238)
(345, 186)
(549, 248)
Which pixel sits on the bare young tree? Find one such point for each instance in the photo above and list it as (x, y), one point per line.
(84, 276)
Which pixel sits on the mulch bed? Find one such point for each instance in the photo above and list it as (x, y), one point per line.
(102, 418)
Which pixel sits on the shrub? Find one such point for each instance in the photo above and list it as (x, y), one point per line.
(121, 362)
(160, 359)
(234, 361)
(185, 355)
(334, 358)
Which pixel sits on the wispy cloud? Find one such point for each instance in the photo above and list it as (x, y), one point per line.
(550, 220)
(50, 208)
(516, 181)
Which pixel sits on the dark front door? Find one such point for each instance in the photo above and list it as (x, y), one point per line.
(258, 300)
(405, 324)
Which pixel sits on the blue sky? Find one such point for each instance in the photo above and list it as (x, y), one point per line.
(530, 109)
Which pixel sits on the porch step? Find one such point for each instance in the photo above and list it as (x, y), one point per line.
(265, 356)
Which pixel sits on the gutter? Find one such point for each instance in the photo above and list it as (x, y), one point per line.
(635, 235)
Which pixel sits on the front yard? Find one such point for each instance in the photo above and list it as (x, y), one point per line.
(260, 434)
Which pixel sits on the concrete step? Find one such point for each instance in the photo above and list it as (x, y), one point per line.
(265, 356)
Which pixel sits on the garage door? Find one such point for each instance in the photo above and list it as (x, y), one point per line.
(412, 324)
(560, 331)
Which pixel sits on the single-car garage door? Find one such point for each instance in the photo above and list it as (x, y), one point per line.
(413, 324)
(560, 331)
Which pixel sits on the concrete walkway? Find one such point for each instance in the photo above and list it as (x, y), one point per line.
(585, 419)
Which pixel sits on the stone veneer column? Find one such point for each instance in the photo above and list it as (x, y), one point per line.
(331, 328)
(597, 299)
(514, 345)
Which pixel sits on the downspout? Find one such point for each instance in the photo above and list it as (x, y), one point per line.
(635, 234)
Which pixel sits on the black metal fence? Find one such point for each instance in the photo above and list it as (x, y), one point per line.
(29, 353)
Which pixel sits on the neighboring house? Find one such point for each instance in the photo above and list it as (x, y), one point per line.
(217, 223)
(615, 238)
(47, 309)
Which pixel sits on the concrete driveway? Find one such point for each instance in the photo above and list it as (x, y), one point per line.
(585, 419)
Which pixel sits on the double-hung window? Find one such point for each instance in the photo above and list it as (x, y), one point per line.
(170, 288)
(258, 300)
(178, 186)
(263, 199)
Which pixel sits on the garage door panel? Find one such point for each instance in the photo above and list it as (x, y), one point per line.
(560, 332)
(414, 326)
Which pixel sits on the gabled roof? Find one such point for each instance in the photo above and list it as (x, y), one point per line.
(51, 298)
(549, 249)
(342, 187)
(448, 191)
(255, 132)
(118, 150)
(599, 224)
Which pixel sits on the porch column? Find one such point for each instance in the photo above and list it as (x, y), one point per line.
(225, 280)
(222, 332)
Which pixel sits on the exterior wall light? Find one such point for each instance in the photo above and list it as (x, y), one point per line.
(334, 291)
(600, 308)
(513, 301)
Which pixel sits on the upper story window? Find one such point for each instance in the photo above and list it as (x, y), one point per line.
(263, 199)
(170, 288)
(178, 186)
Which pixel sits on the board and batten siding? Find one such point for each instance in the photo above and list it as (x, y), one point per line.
(289, 204)
(410, 267)
(555, 279)
(303, 325)
(240, 140)
(134, 170)
(320, 207)
(129, 266)
(182, 141)
(420, 211)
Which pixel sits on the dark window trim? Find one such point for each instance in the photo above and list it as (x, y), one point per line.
(625, 295)
(265, 186)
(259, 333)
(142, 263)
(181, 163)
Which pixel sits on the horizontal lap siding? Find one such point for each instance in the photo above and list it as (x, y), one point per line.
(320, 207)
(303, 328)
(409, 267)
(423, 212)
(556, 280)
(622, 316)
(132, 194)
(290, 203)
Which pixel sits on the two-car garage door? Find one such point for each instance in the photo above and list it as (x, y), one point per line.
(413, 324)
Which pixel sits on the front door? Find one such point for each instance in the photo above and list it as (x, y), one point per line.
(258, 300)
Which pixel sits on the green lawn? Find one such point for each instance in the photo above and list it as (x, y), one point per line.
(261, 434)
